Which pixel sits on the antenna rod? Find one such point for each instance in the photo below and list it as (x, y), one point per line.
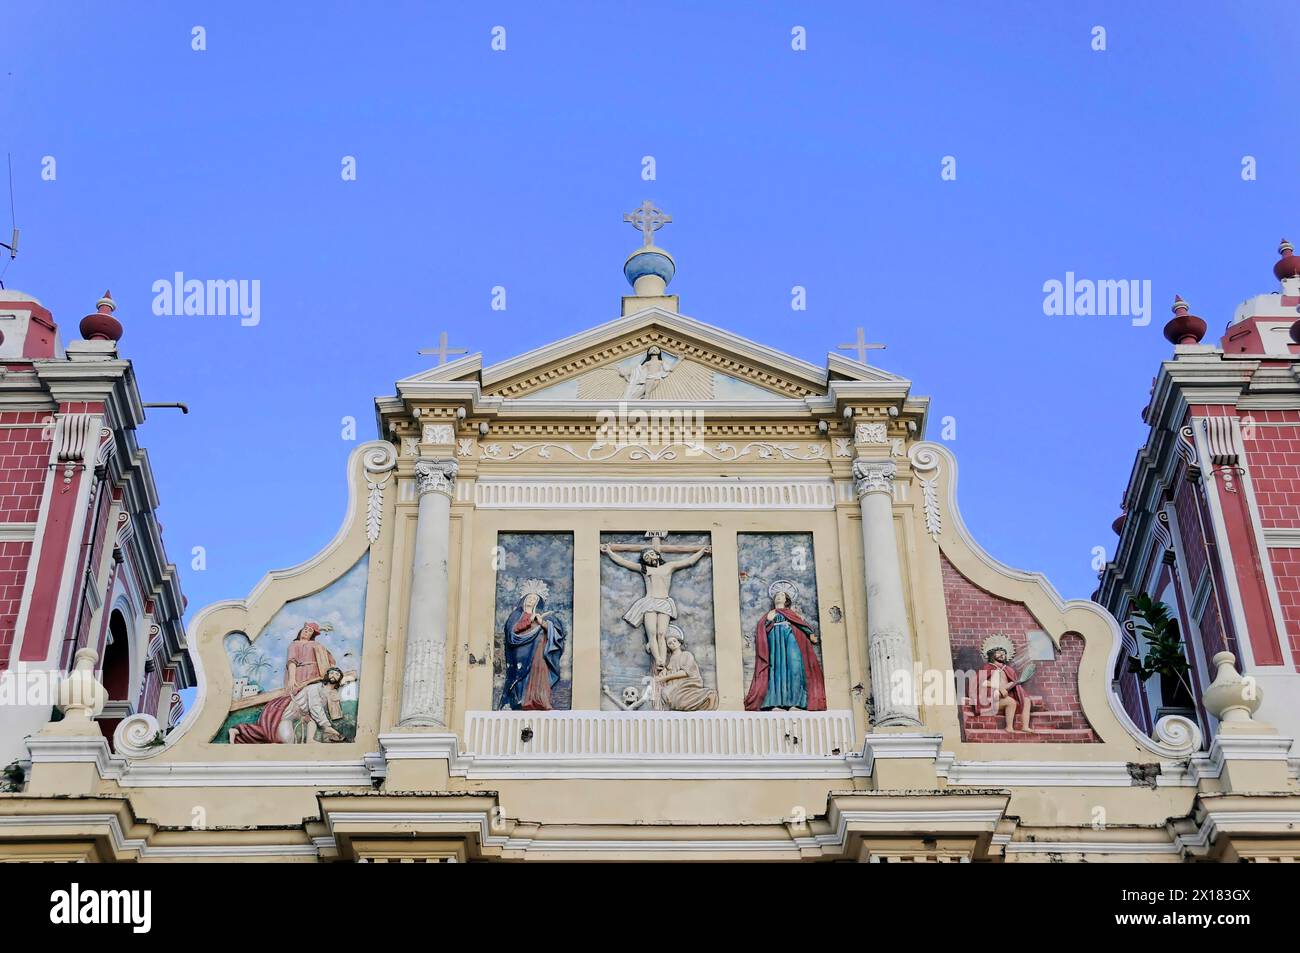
(183, 409)
(13, 221)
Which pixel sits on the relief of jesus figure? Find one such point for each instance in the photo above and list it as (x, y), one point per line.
(656, 609)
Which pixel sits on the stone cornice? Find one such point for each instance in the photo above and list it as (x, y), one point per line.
(797, 372)
(500, 391)
(111, 382)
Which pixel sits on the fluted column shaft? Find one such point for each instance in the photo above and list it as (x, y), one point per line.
(889, 635)
(424, 674)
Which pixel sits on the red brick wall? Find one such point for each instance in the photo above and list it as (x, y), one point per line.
(1286, 571)
(1273, 458)
(24, 465)
(973, 615)
(24, 461)
(13, 572)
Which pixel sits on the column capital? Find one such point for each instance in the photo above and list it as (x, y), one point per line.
(873, 476)
(435, 476)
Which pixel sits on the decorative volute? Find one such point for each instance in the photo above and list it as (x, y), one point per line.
(1230, 697)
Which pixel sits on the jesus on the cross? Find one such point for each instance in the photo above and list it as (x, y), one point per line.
(656, 608)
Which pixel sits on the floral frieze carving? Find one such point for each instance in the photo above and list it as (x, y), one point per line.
(874, 433)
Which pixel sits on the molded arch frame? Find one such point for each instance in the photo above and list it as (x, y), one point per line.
(135, 654)
(1082, 617)
(366, 528)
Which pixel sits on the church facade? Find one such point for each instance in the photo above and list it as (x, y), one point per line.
(659, 592)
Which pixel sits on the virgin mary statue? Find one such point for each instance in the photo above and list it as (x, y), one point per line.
(787, 671)
(534, 645)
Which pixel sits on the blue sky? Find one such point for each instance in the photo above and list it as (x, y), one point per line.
(477, 168)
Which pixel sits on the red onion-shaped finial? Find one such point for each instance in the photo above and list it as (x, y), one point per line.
(102, 326)
(1185, 328)
(1288, 266)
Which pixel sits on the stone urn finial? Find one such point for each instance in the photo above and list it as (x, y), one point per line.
(81, 696)
(1230, 697)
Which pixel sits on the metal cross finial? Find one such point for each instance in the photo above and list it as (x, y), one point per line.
(861, 346)
(647, 219)
(442, 350)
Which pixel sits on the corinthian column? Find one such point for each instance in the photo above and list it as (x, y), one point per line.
(889, 637)
(424, 676)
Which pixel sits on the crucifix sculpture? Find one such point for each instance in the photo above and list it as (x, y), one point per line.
(647, 219)
(656, 609)
(861, 346)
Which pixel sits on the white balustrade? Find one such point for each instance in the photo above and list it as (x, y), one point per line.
(658, 735)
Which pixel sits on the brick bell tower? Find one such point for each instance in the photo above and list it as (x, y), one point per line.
(82, 563)
(1211, 515)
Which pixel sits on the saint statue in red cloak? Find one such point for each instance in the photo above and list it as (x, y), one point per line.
(787, 671)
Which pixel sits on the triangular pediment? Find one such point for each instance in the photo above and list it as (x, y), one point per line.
(654, 354)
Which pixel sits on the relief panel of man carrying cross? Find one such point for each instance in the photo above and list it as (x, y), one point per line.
(657, 649)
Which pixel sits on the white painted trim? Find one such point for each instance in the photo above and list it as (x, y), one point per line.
(1250, 748)
(610, 744)
(222, 851)
(1282, 537)
(17, 532)
(1059, 774)
(256, 774)
(1269, 402)
(911, 745)
(438, 746)
(508, 842)
(774, 406)
(658, 734)
(796, 846)
(1219, 525)
(1090, 847)
(609, 768)
(131, 772)
(1215, 822)
(122, 843)
(652, 494)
